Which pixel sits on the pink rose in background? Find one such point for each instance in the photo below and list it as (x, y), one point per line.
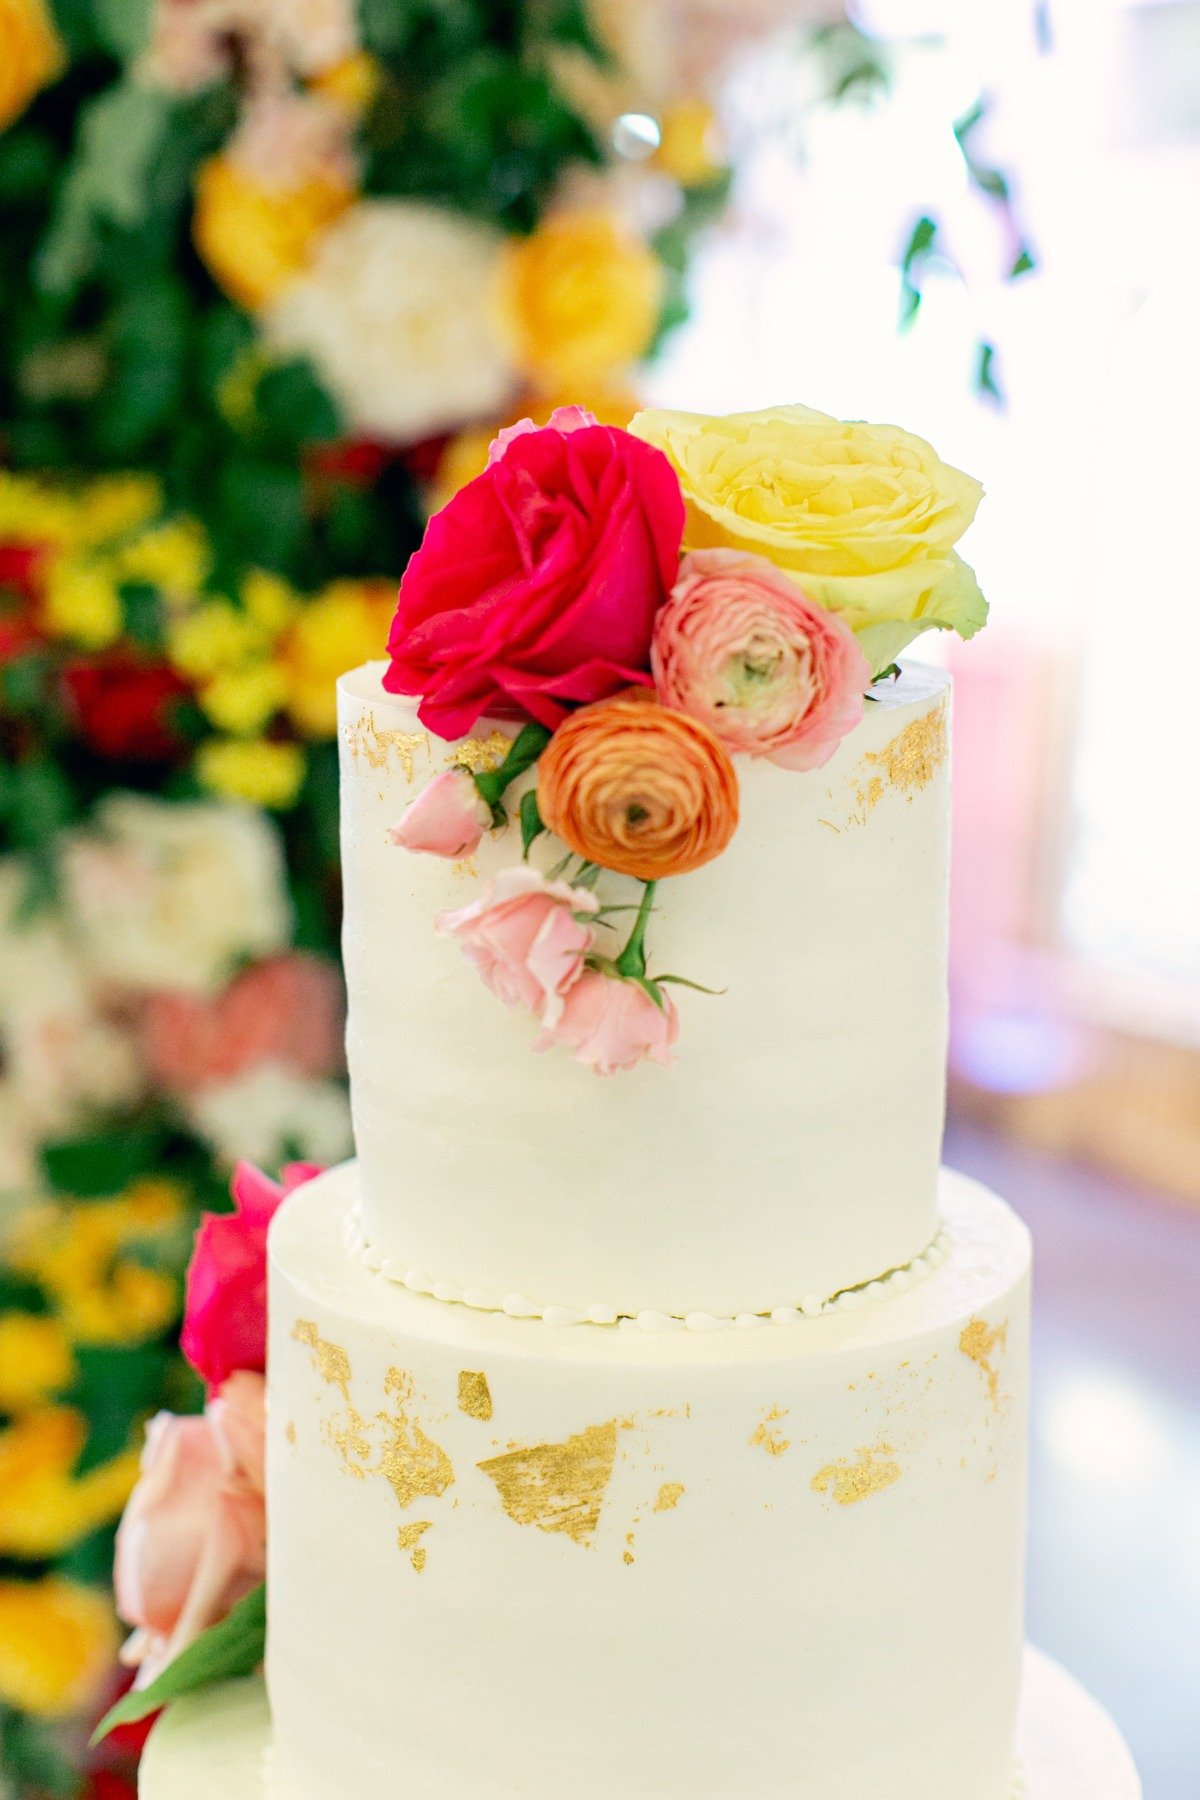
(287, 1010)
(564, 419)
(524, 938)
(536, 587)
(741, 648)
(192, 1542)
(448, 818)
(225, 1311)
(613, 1024)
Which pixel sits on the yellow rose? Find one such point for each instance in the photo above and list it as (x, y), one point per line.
(690, 150)
(58, 1643)
(863, 517)
(257, 770)
(343, 626)
(35, 1360)
(83, 603)
(81, 1256)
(579, 300)
(255, 239)
(44, 1506)
(31, 55)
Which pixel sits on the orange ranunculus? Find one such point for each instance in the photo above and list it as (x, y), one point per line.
(636, 788)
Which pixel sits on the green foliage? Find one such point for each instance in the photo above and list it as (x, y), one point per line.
(233, 1648)
(104, 1162)
(31, 1754)
(532, 824)
(920, 247)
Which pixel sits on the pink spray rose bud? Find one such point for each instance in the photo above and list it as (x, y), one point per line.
(225, 1310)
(613, 1024)
(524, 938)
(193, 1539)
(448, 818)
(564, 419)
(741, 648)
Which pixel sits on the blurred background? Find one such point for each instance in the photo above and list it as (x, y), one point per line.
(271, 274)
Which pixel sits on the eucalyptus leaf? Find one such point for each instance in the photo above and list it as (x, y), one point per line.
(234, 1647)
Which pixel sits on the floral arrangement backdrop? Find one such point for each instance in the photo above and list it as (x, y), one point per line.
(272, 274)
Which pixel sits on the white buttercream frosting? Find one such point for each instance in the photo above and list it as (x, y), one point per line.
(792, 1149)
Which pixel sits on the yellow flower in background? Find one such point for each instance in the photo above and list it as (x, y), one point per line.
(255, 239)
(58, 1642)
(35, 1360)
(174, 556)
(31, 55)
(242, 701)
(689, 149)
(579, 301)
(114, 505)
(83, 1256)
(214, 638)
(83, 603)
(34, 511)
(256, 770)
(465, 456)
(44, 1506)
(346, 624)
(269, 601)
(353, 83)
(864, 517)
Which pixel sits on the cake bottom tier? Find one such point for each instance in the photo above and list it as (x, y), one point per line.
(509, 1561)
(218, 1743)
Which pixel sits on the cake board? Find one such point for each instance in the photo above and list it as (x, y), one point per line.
(215, 1743)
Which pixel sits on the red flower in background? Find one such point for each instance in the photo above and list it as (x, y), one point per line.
(124, 706)
(225, 1312)
(21, 568)
(102, 1784)
(351, 462)
(20, 580)
(537, 587)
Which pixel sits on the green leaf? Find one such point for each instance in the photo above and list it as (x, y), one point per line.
(115, 1388)
(1023, 263)
(31, 1754)
(986, 383)
(521, 755)
(102, 1162)
(697, 987)
(222, 1653)
(123, 26)
(532, 825)
(120, 134)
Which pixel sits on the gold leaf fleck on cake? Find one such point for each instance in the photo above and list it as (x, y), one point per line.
(330, 1360)
(627, 1555)
(481, 754)
(557, 1487)
(848, 1481)
(412, 1464)
(766, 1437)
(289, 1431)
(981, 1341)
(669, 1496)
(465, 868)
(376, 744)
(409, 1538)
(474, 1394)
(913, 758)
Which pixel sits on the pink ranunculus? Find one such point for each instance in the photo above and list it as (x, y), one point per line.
(192, 1542)
(225, 1311)
(741, 648)
(613, 1024)
(447, 818)
(536, 587)
(287, 1009)
(563, 418)
(525, 939)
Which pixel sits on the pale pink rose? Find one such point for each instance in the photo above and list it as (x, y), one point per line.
(284, 140)
(613, 1024)
(287, 1010)
(448, 818)
(741, 648)
(564, 419)
(525, 939)
(193, 1539)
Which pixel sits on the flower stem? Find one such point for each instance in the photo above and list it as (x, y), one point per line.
(632, 960)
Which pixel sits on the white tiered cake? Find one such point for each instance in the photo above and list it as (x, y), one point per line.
(659, 1436)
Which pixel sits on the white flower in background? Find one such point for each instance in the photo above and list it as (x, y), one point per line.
(62, 1059)
(191, 42)
(395, 312)
(315, 34)
(175, 896)
(271, 1113)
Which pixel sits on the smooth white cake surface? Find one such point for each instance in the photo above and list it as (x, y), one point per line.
(508, 1561)
(792, 1150)
(217, 1743)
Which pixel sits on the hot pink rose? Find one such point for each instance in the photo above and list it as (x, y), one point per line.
(447, 818)
(563, 418)
(287, 1010)
(225, 1312)
(193, 1539)
(525, 939)
(741, 648)
(612, 1024)
(537, 586)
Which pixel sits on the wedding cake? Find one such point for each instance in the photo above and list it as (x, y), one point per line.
(647, 1416)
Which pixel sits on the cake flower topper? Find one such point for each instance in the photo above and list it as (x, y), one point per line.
(647, 605)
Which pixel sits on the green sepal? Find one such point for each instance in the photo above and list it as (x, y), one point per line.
(523, 752)
(532, 823)
(234, 1647)
(697, 987)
